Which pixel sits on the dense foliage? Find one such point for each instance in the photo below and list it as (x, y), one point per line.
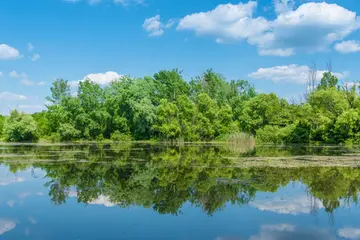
(166, 107)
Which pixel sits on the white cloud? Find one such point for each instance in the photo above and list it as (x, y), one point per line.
(8, 53)
(14, 74)
(276, 52)
(288, 205)
(30, 47)
(351, 84)
(35, 57)
(99, 78)
(6, 225)
(1, 74)
(282, 6)
(11, 96)
(311, 27)
(155, 27)
(347, 46)
(226, 21)
(349, 233)
(24, 79)
(290, 73)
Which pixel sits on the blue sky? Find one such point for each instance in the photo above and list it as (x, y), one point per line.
(269, 42)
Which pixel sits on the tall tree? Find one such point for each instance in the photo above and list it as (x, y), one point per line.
(59, 90)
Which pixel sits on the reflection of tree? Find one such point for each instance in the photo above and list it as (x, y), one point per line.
(165, 177)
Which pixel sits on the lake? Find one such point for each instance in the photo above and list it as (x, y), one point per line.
(192, 191)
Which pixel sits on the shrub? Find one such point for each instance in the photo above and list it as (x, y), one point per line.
(20, 127)
(117, 136)
(68, 132)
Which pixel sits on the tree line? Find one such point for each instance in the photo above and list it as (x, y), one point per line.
(166, 107)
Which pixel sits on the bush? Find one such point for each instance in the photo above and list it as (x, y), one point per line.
(293, 133)
(269, 134)
(20, 127)
(68, 132)
(120, 137)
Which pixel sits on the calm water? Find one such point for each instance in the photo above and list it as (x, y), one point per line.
(214, 192)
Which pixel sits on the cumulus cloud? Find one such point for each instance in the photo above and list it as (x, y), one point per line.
(99, 78)
(282, 6)
(155, 27)
(312, 27)
(103, 78)
(1, 74)
(347, 46)
(11, 96)
(8, 53)
(349, 233)
(288, 205)
(6, 226)
(290, 73)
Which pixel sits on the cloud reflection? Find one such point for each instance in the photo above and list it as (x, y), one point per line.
(8, 181)
(6, 225)
(349, 233)
(287, 231)
(101, 200)
(288, 205)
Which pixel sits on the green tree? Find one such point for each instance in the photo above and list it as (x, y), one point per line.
(327, 81)
(20, 127)
(170, 85)
(167, 124)
(59, 90)
(2, 120)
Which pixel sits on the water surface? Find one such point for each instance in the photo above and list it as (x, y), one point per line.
(193, 191)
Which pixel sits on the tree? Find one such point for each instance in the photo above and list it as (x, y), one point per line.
(2, 120)
(20, 127)
(170, 85)
(213, 84)
(264, 109)
(59, 90)
(327, 81)
(167, 124)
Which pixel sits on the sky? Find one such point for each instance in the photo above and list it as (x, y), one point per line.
(271, 43)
